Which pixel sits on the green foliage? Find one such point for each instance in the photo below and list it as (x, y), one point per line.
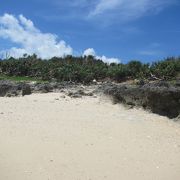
(118, 72)
(134, 68)
(85, 69)
(166, 69)
(20, 78)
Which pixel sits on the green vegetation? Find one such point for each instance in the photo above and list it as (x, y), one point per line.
(85, 69)
(19, 78)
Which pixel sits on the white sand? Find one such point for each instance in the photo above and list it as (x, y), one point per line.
(42, 138)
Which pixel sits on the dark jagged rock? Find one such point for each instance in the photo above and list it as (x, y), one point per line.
(79, 93)
(177, 83)
(42, 88)
(161, 84)
(160, 98)
(11, 89)
(8, 88)
(26, 89)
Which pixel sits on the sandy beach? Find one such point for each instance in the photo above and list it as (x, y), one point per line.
(52, 137)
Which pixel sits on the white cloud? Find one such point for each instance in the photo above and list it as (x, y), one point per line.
(30, 39)
(108, 60)
(104, 5)
(128, 9)
(91, 51)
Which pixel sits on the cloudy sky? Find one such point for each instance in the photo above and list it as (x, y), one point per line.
(112, 30)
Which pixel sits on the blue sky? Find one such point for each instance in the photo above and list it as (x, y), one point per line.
(112, 30)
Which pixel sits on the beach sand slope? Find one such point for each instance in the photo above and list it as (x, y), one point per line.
(52, 137)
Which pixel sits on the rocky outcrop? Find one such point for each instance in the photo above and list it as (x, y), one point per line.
(79, 93)
(26, 89)
(161, 98)
(42, 88)
(9, 89)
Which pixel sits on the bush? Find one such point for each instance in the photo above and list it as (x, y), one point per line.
(85, 69)
(167, 69)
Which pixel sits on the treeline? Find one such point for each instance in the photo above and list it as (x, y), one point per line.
(85, 69)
